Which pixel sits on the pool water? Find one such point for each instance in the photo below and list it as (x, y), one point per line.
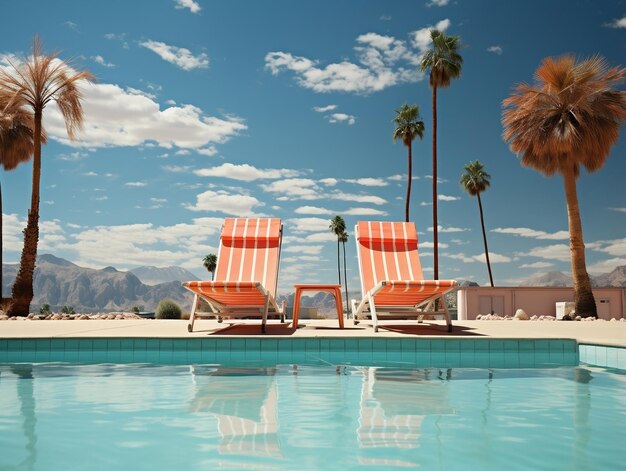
(166, 417)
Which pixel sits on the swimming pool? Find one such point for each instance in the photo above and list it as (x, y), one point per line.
(316, 415)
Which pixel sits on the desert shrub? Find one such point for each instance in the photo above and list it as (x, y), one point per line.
(168, 309)
(45, 309)
(135, 309)
(68, 310)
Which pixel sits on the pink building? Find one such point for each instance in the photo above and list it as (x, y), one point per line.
(471, 301)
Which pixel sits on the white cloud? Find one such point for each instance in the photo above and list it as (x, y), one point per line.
(537, 265)
(616, 247)
(382, 62)
(178, 56)
(368, 181)
(308, 224)
(245, 172)
(117, 117)
(135, 184)
(227, 203)
(329, 181)
(493, 258)
(304, 249)
(321, 237)
(495, 49)
(420, 39)
(559, 252)
(606, 265)
(342, 118)
(364, 212)
(194, 7)
(620, 23)
(324, 109)
(176, 168)
(210, 151)
(447, 198)
(621, 210)
(437, 3)
(73, 156)
(313, 210)
(425, 203)
(448, 229)
(308, 189)
(431, 245)
(100, 60)
(526, 232)
(73, 26)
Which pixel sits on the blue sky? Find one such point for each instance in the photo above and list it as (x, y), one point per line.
(203, 110)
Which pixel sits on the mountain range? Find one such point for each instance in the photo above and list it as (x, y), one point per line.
(59, 283)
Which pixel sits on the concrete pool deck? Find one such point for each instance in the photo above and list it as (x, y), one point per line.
(596, 333)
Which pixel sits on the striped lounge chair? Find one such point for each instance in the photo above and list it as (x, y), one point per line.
(246, 275)
(392, 283)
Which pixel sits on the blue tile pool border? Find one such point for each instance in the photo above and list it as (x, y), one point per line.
(417, 352)
(603, 355)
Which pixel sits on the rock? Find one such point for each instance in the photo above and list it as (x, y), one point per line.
(521, 315)
(4, 317)
(83, 317)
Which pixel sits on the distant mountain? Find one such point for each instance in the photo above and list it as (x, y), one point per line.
(58, 282)
(614, 279)
(155, 275)
(552, 278)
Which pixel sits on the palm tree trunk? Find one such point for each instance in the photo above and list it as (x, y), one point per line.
(22, 292)
(408, 185)
(338, 262)
(345, 276)
(1, 246)
(435, 225)
(482, 224)
(585, 303)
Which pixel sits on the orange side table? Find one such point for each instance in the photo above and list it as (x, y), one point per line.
(334, 289)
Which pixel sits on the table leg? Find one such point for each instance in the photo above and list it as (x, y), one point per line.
(339, 304)
(296, 308)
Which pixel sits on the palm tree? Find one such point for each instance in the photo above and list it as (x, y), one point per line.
(337, 227)
(210, 263)
(343, 238)
(570, 117)
(475, 180)
(31, 86)
(409, 125)
(16, 146)
(445, 63)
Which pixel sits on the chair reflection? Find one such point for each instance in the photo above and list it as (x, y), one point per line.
(394, 404)
(244, 402)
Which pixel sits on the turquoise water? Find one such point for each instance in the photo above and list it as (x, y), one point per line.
(165, 417)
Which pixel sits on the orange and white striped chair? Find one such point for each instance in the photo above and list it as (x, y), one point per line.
(246, 275)
(392, 283)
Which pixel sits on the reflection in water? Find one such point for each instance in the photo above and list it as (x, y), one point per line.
(394, 404)
(582, 410)
(25, 393)
(244, 402)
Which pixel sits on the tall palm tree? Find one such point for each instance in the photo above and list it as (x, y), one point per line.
(475, 180)
(210, 263)
(31, 86)
(408, 127)
(337, 227)
(16, 146)
(445, 63)
(343, 238)
(570, 117)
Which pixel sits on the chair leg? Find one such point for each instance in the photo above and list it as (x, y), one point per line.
(266, 308)
(446, 313)
(373, 312)
(192, 316)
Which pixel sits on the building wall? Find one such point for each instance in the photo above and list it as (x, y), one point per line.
(535, 301)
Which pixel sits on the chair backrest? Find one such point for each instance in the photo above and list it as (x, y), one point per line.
(250, 251)
(387, 251)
